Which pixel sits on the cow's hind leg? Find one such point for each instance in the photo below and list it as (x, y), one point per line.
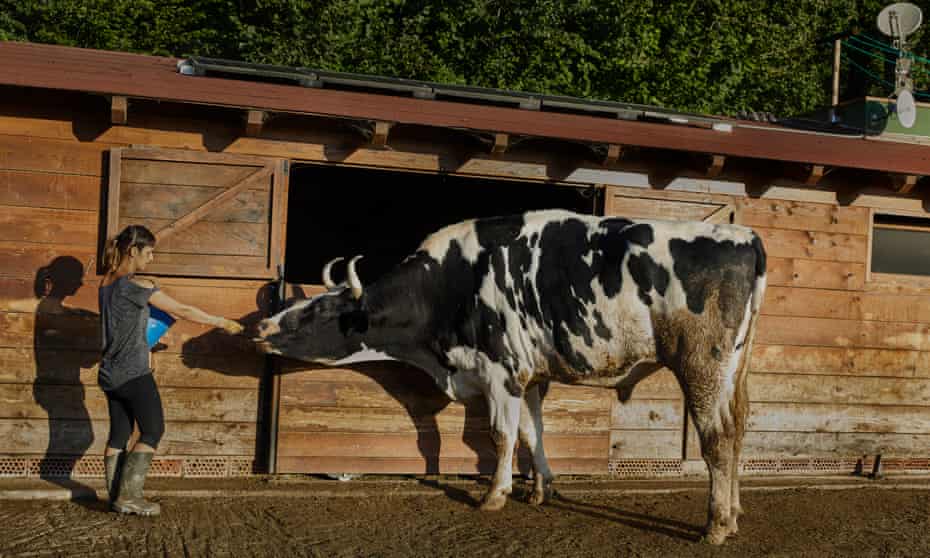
(709, 392)
(531, 436)
(505, 417)
(716, 434)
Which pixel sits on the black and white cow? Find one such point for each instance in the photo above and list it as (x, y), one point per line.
(494, 307)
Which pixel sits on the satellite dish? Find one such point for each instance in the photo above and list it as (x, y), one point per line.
(905, 108)
(899, 20)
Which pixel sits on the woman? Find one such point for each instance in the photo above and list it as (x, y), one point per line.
(125, 367)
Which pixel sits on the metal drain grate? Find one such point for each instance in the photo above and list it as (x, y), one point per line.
(92, 466)
(644, 467)
(89, 467)
(242, 467)
(206, 467)
(14, 467)
(52, 467)
(166, 467)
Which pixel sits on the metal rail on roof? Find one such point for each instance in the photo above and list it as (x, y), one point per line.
(312, 77)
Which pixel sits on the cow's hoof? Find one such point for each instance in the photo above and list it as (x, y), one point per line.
(493, 501)
(537, 497)
(732, 527)
(540, 495)
(715, 536)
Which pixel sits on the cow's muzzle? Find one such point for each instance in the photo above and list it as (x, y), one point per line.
(266, 328)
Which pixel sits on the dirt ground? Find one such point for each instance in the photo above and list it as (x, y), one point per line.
(435, 518)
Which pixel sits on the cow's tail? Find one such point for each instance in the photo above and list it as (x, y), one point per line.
(740, 402)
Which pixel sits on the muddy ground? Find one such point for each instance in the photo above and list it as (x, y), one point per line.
(417, 518)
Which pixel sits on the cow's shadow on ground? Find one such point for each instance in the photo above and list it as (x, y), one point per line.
(645, 522)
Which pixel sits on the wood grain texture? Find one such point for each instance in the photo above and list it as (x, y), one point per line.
(28, 401)
(20, 153)
(31, 436)
(27, 365)
(797, 359)
(54, 226)
(804, 216)
(50, 190)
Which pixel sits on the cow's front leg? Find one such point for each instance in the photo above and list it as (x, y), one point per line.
(531, 436)
(505, 418)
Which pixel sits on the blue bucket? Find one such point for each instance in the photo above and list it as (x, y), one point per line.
(159, 322)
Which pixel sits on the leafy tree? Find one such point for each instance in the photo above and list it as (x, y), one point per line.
(710, 56)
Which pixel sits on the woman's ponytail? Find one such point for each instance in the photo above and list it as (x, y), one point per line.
(111, 255)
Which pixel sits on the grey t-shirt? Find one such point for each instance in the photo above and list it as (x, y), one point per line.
(124, 314)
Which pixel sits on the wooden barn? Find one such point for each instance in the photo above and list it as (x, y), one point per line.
(255, 176)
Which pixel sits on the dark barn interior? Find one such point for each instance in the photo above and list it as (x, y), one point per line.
(384, 215)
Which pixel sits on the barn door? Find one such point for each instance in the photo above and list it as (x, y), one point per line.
(214, 214)
(650, 434)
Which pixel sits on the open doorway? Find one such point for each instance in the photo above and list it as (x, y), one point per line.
(384, 215)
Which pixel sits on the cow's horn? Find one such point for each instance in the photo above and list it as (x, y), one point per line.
(327, 269)
(354, 283)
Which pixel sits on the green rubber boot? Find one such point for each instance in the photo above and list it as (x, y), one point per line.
(132, 476)
(111, 465)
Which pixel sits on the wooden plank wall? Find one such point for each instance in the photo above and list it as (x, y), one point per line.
(50, 199)
(841, 366)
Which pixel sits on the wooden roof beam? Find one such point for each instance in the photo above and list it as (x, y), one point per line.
(613, 154)
(380, 135)
(715, 167)
(500, 144)
(119, 109)
(814, 174)
(254, 121)
(904, 183)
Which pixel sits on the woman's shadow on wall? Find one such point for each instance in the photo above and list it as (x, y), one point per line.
(65, 340)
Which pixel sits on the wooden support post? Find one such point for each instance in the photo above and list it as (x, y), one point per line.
(837, 52)
(500, 144)
(716, 165)
(254, 121)
(119, 109)
(814, 175)
(380, 135)
(904, 183)
(613, 154)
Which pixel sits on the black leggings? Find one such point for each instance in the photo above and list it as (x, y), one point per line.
(135, 401)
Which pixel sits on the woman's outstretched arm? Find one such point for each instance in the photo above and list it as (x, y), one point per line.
(192, 313)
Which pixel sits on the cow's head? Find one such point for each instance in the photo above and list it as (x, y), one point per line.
(323, 329)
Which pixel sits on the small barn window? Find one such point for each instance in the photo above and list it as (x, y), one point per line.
(900, 245)
(214, 214)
